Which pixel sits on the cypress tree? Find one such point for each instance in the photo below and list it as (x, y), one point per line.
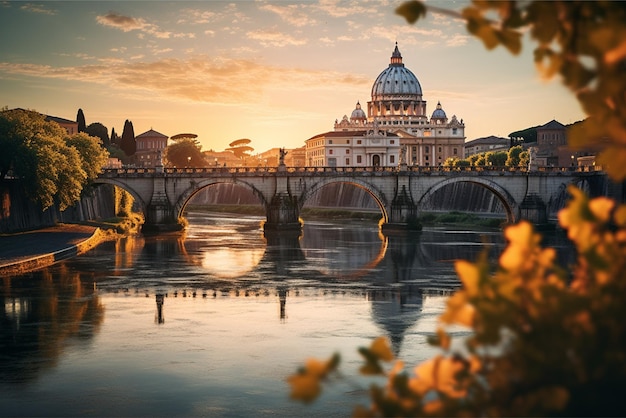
(127, 143)
(80, 119)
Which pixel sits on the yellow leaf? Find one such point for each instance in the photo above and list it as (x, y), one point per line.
(469, 275)
(315, 367)
(304, 387)
(601, 207)
(381, 348)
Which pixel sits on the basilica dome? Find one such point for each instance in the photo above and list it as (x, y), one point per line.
(358, 113)
(396, 80)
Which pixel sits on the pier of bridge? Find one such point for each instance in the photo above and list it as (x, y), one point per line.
(162, 193)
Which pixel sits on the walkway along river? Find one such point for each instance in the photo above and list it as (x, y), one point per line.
(211, 322)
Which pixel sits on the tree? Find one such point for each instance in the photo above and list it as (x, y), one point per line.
(542, 340)
(513, 156)
(127, 143)
(241, 148)
(114, 138)
(46, 167)
(98, 130)
(186, 152)
(496, 158)
(80, 119)
(93, 156)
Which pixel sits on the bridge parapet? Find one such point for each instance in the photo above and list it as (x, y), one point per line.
(399, 191)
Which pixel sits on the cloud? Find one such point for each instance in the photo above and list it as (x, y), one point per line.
(128, 24)
(291, 13)
(198, 79)
(274, 38)
(38, 8)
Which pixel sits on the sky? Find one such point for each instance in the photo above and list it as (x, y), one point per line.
(275, 72)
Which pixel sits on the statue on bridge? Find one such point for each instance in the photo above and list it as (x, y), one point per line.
(281, 158)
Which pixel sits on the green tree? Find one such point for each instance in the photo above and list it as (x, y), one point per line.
(93, 156)
(80, 120)
(48, 164)
(513, 156)
(185, 152)
(127, 143)
(496, 158)
(462, 163)
(241, 148)
(98, 130)
(450, 162)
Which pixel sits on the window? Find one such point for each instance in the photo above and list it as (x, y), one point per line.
(454, 131)
(392, 141)
(454, 151)
(347, 151)
(347, 141)
(358, 141)
(358, 159)
(426, 158)
(347, 161)
(439, 149)
(330, 141)
(426, 148)
(392, 159)
(330, 151)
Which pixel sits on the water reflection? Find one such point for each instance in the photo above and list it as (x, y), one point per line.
(219, 302)
(41, 318)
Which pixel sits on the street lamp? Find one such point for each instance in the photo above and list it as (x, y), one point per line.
(215, 161)
(188, 161)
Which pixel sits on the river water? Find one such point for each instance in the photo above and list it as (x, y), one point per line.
(211, 322)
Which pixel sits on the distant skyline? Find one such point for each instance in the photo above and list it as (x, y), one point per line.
(276, 72)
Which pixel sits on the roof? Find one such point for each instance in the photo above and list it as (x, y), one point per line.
(553, 124)
(346, 134)
(488, 140)
(59, 120)
(151, 134)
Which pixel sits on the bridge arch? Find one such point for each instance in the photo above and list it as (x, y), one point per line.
(123, 185)
(196, 187)
(372, 190)
(511, 207)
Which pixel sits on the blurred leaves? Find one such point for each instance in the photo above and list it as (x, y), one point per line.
(584, 42)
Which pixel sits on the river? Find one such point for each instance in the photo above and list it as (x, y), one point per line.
(211, 322)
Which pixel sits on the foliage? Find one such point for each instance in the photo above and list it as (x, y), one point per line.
(80, 120)
(186, 152)
(528, 135)
(542, 343)
(98, 130)
(545, 340)
(50, 165)
(517, 157)
(240, 148)
(127, 143)
(582, 41)
(93, 156)
(123, 203)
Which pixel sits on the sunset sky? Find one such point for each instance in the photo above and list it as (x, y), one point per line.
(276, 72)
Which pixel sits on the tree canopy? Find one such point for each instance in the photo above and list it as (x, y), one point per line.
(80, 120)
(98, 130)
(185, 152)
(51, 166)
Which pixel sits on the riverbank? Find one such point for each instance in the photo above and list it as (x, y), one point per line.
(31, 250)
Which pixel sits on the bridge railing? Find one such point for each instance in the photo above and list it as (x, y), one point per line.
(426, 170)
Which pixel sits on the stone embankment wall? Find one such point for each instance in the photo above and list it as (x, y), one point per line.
(19, 213)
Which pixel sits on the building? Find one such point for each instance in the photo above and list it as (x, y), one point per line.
(70, 126)
(397, 107)
(150, 148)
(365, 148)
(488, 143)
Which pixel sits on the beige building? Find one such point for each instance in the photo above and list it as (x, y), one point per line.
(488, 143)
(366, 148)
(397, 106)
(150, 148)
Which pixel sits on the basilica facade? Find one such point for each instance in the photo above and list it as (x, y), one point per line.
(395, 130)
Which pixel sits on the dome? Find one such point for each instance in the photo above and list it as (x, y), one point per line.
(358, 113)
(439, 113)
(396, 80)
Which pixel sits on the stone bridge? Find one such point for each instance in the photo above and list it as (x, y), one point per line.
(162, 193)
